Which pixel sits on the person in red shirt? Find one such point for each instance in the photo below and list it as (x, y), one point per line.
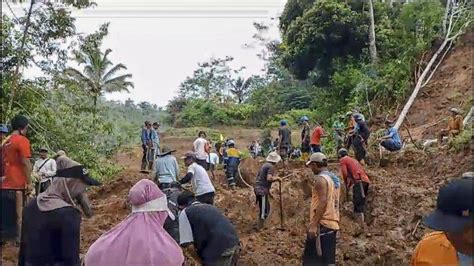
(318, 133)
(354, 176)
(16, 162)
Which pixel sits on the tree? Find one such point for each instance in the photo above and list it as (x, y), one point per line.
(372, 45)
(98, 74)
(25, 34)
(210, 81)
(328, 33)
(241, 88)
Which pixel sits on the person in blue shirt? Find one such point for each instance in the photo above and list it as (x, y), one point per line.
(148, 137)
(391, 140)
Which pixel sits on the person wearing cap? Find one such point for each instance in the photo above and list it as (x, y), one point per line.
(52, 221)
(320, 245)
(452, 243)
(455, 125)
(166, 168)
(318, 133)
(206, 233)
(391, 140)
(354, 177)
(16, 182)
(233, 156)
(140, 238)
(284, 139)
(200, 181)
(156, 138)
(360, 138)
(338, 132)
(3, 132)
(200, 147)
(148, 134)
(265, 177)
(43, 170)
(305, 138)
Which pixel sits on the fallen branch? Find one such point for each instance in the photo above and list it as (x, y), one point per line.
(416, 227)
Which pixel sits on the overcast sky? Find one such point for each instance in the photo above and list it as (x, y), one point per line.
(161, 42)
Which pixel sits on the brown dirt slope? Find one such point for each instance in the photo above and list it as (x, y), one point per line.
(451, 86)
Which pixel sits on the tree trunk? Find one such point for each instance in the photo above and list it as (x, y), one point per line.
(446, 13)
(20, 59)
(95, 108)
(372, 46)
(419, 84)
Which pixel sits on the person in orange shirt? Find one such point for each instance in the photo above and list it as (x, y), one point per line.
(321, 240)
(354, 177)
(318, 133)
(16, 161)
(453, 220)
(455, 125)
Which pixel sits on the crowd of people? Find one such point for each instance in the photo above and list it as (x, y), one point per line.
(41, 203)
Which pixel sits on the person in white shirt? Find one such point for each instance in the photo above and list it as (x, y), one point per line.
(43, 171)
(200, 181)
(201, 148)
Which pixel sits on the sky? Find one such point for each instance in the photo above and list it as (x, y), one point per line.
(161, 42)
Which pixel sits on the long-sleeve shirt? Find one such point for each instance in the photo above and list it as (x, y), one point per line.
(48, 169)
(149, 136)
(166, 169)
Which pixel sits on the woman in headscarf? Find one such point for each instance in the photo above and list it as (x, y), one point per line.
(51, 222)
(140, 239)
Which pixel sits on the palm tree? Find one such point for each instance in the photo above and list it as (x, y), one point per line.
(241, 88)
(99, 74)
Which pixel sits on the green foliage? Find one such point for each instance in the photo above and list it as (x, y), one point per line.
(463, 141)
(328, 31)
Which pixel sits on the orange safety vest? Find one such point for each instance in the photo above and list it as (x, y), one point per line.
(435, 249)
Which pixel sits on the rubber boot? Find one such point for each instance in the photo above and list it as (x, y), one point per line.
(143, 167)
(150, 166)
(260, 223)
(360, 218)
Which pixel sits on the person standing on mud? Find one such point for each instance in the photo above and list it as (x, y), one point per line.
(354, 176)
(200, 181)
(284, 140)
(156, 139)
(455, 125)
(232, 163)
(338, 132)
(360, 138)
(166, 168)
(206, 233)
(305, 138)
(265, 177)
(52, 221)
(320, 245)
(316, 136)
(147, 146)
(453, 220)
(43, 170)
(16, 153)
(200, 148)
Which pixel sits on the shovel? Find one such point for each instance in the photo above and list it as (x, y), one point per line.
(281, 207)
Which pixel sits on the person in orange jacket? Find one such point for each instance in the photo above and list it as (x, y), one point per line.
(453, 220)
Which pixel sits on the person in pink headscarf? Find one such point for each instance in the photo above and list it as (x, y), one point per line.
(140, 239)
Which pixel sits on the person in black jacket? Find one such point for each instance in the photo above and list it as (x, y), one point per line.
(51, 222)
(360, 138)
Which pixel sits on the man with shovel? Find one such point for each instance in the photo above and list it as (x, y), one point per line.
(320, 246)
(354, 176)
(266, 176)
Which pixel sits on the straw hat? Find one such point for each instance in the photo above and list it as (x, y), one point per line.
(273, 157)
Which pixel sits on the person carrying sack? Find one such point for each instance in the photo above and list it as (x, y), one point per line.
(43, 171)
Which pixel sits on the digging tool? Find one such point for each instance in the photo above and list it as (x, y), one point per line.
(319, 251)
(361, 189)
(281, 206)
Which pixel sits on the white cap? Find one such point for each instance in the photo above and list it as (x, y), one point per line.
(317, 157)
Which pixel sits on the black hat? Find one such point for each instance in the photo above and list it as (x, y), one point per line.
(454, 207)
(43, 149)
(80, 172)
